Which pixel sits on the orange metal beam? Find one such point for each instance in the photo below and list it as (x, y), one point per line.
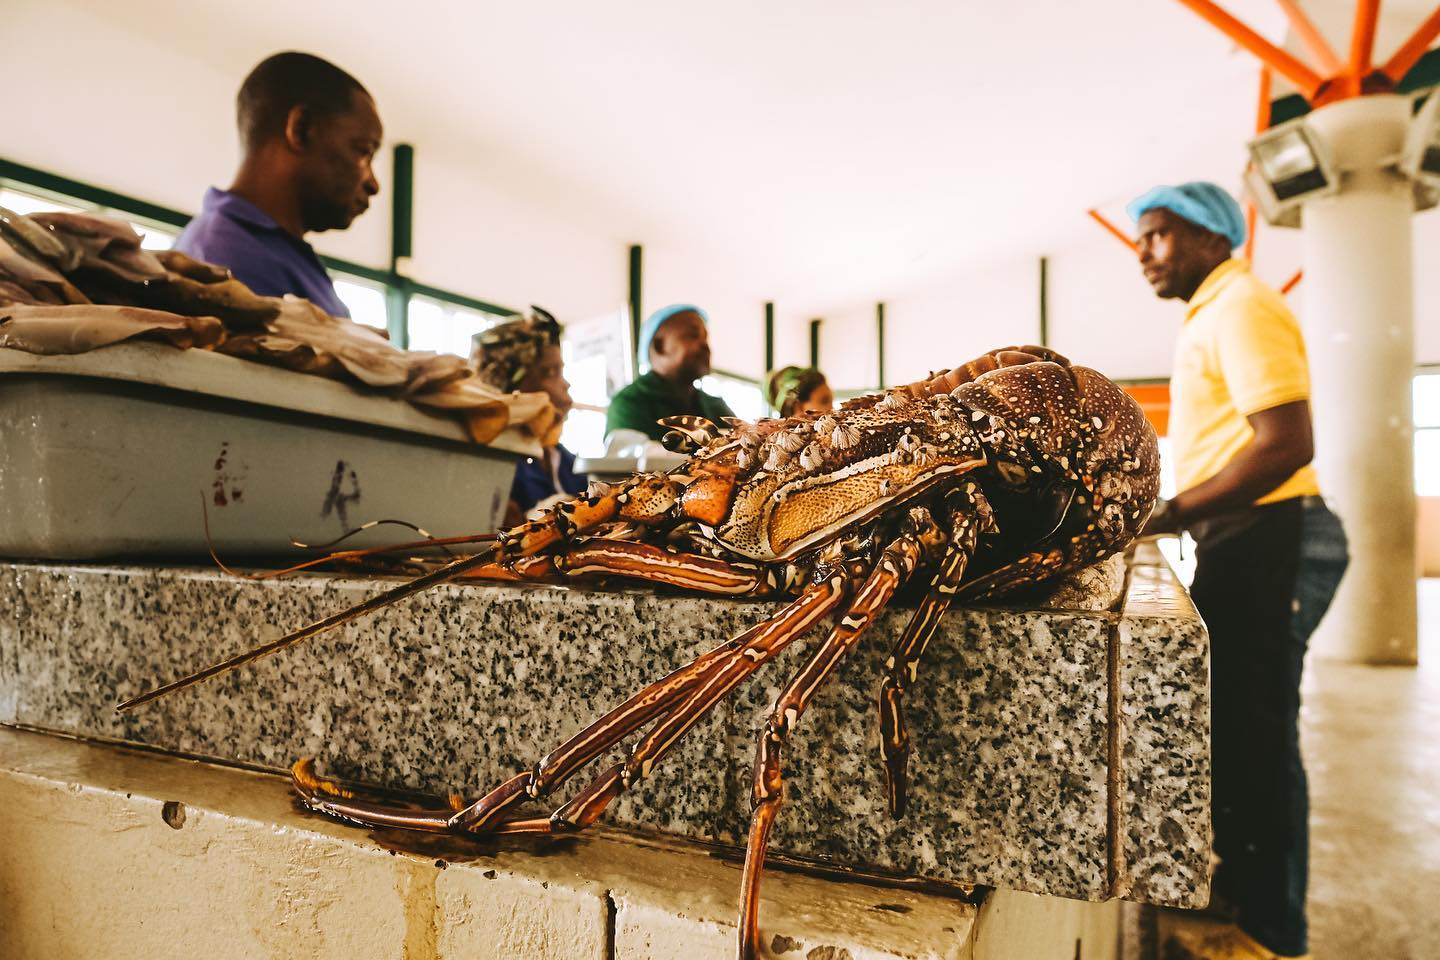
(1114, 231)
(1262, 123)
(1312, 38)
(1290, 284)
(1413, 49)
(1362, 41)
(1307, 80)
(1262, 108)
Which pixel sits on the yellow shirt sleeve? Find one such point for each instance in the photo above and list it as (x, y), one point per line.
(1261, 353)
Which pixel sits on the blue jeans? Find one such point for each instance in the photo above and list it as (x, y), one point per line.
(1263, 579)
(1324, 555)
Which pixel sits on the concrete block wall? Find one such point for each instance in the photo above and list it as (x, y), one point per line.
(112, 852)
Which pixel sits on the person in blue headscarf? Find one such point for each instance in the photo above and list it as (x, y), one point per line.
(675, 345)
(1268, 556)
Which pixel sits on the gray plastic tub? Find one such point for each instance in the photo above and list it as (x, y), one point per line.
(124, 451)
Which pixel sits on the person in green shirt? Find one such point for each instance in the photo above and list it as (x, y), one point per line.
(677, 345)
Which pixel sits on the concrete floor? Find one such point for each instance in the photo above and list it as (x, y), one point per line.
(1372, 747)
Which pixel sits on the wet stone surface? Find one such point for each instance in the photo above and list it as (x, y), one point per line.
(463, 686)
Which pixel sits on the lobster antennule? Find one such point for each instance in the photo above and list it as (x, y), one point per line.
(448, 572)
(645, 499)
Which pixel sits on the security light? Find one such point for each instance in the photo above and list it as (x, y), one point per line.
(1289, 166)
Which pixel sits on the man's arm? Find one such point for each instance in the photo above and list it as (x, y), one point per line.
(1282, 444)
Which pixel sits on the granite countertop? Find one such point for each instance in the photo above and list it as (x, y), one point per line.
(1060, 750)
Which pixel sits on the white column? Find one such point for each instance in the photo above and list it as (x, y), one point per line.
(1358, 318)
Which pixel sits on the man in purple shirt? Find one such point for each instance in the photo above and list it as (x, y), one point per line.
(309, 132)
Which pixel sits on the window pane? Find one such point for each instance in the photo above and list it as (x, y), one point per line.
(587, 378)
(366, 302)
(744, 398)
(464, 324)
(1427, 463)
(154, 238)
(27, 203)
(428, 325)
(1180, 551)
(584, 433)
(1427, 400)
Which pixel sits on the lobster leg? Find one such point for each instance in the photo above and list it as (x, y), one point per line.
(642, 561)
(750, 650)
(328, 796)
(766, 641)
(895, 566)
(967, 520)
(1033, 568)
(684, 698)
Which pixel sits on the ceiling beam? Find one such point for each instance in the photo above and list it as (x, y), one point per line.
(1307, 80)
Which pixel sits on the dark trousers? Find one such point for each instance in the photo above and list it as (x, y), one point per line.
(1263, 579)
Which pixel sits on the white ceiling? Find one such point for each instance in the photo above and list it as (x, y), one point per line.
(818, 152)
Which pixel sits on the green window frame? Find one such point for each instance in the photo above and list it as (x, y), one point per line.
(397, 287)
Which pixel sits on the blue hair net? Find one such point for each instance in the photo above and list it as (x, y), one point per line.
(1203, 204)
(652, 324)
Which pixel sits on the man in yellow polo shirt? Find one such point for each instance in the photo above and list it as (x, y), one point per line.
(1268, 553)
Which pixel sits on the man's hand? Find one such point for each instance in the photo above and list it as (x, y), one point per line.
(1164, 520)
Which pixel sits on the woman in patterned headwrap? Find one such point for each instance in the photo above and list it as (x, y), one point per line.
(798, 390)
(524, 354)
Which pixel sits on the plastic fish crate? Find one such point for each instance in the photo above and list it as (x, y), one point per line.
(126, 451)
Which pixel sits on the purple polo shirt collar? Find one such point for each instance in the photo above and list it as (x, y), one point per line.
(234, 233)
(238, 208)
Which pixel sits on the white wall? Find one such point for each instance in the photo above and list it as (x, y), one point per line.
(946, 323)
(474, 236)
(1104, 315)
(99, 103)
(151, 122)
(737, 317)
(1101, 311)
(95, 99)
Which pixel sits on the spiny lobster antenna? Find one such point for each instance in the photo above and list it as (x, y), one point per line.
(447, 572)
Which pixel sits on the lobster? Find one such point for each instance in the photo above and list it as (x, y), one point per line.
(985, 480)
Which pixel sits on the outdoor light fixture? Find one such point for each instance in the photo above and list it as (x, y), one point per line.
(1289, 165)
(1420, 160)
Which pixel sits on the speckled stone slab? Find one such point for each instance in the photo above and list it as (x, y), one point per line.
(1164, 669)
(1014, 720)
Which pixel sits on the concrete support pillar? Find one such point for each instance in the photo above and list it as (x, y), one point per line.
(1359, 324)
